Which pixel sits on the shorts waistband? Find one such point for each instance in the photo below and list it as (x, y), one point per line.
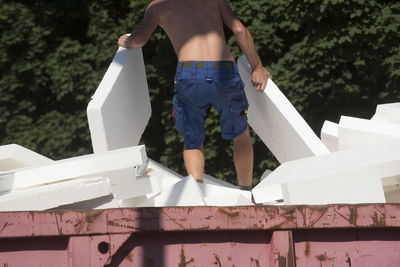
(222, 65)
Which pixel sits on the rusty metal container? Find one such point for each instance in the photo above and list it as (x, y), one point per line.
(330, 235)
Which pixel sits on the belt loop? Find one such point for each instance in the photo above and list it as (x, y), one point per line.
(179, 67)
(210, 70)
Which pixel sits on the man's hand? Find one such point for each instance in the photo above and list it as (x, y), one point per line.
(259, 78)
(121, 40)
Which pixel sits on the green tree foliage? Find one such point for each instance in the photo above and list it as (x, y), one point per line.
(330, 57)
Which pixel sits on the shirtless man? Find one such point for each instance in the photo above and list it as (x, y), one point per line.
(206, 75)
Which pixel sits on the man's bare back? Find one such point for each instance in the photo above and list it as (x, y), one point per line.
(195, 29)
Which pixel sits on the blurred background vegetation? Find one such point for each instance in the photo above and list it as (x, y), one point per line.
(329, 57)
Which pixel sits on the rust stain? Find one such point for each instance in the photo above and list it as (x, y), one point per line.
(353, 215)
(229, 258)
(129, 257)
(112, 223)
(307, 249)
(352, 219)
(229, 213)
(92, 214)
(183, 261)
(58, 226)
(323, 258)
(367, 255)
(290, 254)
(281, 261)
(309, 222)
(5, 226)
(172, 219)
(378, 220)
(256, 261)
(78, 226)
(217, 260)
(127, 219)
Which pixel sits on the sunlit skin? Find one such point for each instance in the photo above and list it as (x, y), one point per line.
(195, 29)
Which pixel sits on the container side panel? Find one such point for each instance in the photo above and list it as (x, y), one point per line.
(347, 247)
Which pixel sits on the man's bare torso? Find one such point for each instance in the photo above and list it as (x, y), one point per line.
(195, 29)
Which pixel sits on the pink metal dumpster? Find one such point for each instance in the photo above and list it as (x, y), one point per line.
(329, 235)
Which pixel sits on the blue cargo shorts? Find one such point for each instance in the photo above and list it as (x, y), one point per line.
(199, 84)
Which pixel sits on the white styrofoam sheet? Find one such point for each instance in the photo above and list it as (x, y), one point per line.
(330, 135)
(147, 199)
(392, 193)
(384, 156)
(277, 122)
(73, 168)
(120, 108)
(155, 169)
(388, 113)
(219, 195)
(14, 156)
(136, 188)
(208, 179)
(355, 132)
(54, 195)
(106, 202)
(185, 192)
(351, 187)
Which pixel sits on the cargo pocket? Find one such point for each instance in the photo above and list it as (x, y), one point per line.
(179, 116)
(239, 107)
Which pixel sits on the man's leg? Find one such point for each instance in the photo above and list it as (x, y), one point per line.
(243, 157)
(194, 162)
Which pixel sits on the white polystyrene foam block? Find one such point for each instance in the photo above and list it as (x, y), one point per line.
(146, 186)
(355, 132)
(186, 192)
(120, 108)
(389, 181)
(156, 169)
(388, 112)
(208, 179)
(14, 156)
(330, 135)
(384, 156)
(392, 193)
(265, 174)
(137, 187)
(106, 202)
(379, 118)
(54, 195)
(277, 122)
(351, 187)
(218, 195)
(265, 193)
(148, 198)
(228, 200)
(121, 176)
(84, 166)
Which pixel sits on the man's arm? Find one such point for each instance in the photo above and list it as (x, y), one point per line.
(141, 35)
(246, 43)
